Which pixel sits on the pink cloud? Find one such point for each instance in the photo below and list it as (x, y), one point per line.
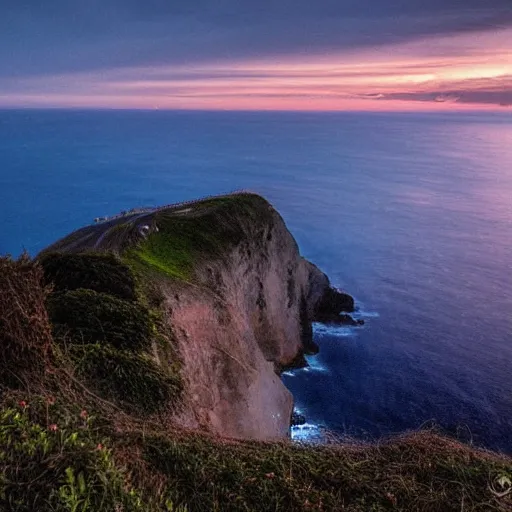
(462, 71)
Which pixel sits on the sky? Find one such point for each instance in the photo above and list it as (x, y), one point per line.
(257, 54)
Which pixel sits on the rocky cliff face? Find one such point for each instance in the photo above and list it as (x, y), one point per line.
(236, 295)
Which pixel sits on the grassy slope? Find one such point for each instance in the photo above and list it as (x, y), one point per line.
(419, 472)
(184, 236)
(207, 231)
(62, 456)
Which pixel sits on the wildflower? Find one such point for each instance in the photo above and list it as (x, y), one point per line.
(392, 498)
(50, 400)
(99, 446)
(53, 427)
(270, 475)
(23, 404)
(83, 414)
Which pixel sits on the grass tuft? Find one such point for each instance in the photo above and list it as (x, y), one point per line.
(132, 381)
(86, 316)
(25, 331)
(103, 273)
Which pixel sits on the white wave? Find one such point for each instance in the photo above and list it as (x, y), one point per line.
(361, 313)
(343, 331)
(314, 365)
(306, 433)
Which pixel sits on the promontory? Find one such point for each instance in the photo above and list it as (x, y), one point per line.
(140, 363)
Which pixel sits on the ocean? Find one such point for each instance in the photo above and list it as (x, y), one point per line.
(410, 213)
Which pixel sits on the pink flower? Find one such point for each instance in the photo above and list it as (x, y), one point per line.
(83, 414)
(53, 427)
(99, 447)
(23, 404)
(50, 400)
(392, 498)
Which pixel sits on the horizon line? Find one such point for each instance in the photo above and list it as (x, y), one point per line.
(485, 108)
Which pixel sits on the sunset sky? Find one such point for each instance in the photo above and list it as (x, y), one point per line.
(257, 54)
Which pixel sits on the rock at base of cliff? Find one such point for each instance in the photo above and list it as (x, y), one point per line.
(297, 419)
(333, 303)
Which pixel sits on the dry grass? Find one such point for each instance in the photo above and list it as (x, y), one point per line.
(418, 472)
(25, 331)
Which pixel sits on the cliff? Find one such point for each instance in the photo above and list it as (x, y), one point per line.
(236, 297)
(106, 341)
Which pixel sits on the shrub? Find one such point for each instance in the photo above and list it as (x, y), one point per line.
(99, 272)
(64, 467)
(133, 381)
(87, 316)
(25, 332)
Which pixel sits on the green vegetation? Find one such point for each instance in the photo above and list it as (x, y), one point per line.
(106, 338)
(419, 472)
(79, 472)
(99, 272)
(132, 381)
(86, 316)
(56, 457)
(56, 451)
(25, 332)
(63, 467)
(208, 231)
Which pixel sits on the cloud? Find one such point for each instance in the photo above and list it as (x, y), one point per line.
(235, 53)
(480, 97)
(69, 35)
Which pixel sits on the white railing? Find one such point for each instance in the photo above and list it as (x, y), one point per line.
(174, 206)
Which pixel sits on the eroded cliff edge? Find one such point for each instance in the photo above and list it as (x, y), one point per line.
(236, 296)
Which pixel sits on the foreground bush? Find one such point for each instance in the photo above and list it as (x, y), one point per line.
(60, 459)
(132, 381)
(65, 467)
(25, 331)
(99, 272)
(86, 316)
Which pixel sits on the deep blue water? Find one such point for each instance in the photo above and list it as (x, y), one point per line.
(410, 213)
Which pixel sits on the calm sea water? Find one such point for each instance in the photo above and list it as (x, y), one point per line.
(410, 213)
